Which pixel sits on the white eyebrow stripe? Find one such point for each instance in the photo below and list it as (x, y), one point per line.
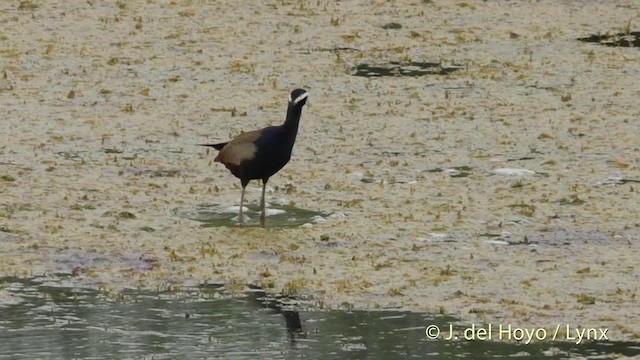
(299, 98)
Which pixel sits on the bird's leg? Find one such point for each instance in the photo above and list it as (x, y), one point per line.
(241, 215)
(262, 215)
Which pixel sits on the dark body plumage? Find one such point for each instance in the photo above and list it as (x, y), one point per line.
(261, 153)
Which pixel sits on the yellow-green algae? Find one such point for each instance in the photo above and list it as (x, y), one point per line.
(148, 80)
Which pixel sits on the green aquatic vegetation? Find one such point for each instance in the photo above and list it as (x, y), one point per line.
(242, 67)
(293, 259)
(572, 200)
(461, 174)
(395, 292)
(165, 173)
(504, 301)
(6, 211)
(524, 209)
(392, 26)
(266, 273)
(447, 271)
(478, 311)
(82, 207)
(5, 229)
(489, 235)
(294, 287)
(126, 215)
(585, 299)
(382, 265)
(27, 5)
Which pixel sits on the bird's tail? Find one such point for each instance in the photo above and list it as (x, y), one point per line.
(215, 146)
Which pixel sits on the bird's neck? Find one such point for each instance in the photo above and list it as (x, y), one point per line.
(293, 118)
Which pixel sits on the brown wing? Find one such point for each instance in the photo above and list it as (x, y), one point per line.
(241, 148)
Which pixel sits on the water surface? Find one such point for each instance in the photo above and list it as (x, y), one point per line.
(49, 318)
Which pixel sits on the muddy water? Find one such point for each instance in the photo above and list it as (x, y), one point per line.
(506, 189)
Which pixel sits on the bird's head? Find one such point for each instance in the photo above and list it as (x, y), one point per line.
(298, 97)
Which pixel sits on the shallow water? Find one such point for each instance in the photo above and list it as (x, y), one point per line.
(43, 317)
(280, 216)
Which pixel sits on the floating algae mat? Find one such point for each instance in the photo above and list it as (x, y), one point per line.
(213, 215)
(48, 317)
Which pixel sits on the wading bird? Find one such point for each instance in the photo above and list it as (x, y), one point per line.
(261, 153)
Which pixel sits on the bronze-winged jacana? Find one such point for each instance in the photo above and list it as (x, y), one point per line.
(261, 153)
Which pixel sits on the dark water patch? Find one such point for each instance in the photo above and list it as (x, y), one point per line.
(392, 26)
(412, 69)
(522, 158)
(47, 318)
(489, 235)
(621, 39)
(282, 216)
(113, 151)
